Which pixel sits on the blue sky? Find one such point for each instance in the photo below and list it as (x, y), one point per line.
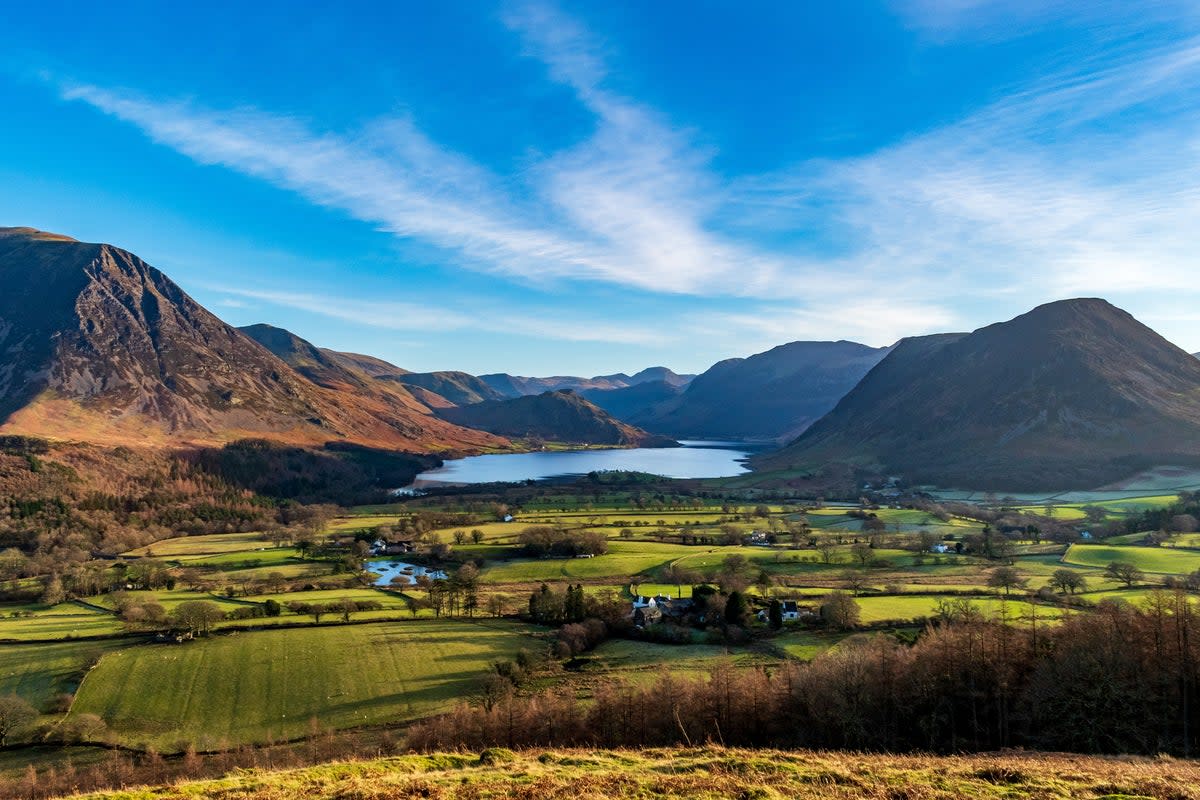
(566, 188)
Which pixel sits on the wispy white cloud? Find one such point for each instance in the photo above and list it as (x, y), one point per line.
(427, 317)
(870, 319)
(1085, 182)
(944, 20)
(1036, 195)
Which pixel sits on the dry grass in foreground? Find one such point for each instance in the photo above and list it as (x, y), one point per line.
(707, 772)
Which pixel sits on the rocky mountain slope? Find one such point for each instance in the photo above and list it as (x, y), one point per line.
(96, 345)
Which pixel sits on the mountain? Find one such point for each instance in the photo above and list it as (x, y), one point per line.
(519, 386)
(458, 388)
(660, 374)
(559, 416)
(630, 402)
(1073, 394)
(96, 345)
(771, 395)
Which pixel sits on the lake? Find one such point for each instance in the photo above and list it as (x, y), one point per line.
(696, 459)
(389, 570)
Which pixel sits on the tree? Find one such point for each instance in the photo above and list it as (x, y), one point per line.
(1068, 581)
(841, 611)
(197, 616)
(53, 593)
(856, 582)
(775, 614)
(861, 552)
(1124, 572)
(272, 608)
(1006, 578)
(16, 714)
(476, 536)
(346, 607)
(736, 609)
(497, 605)
(827, 548)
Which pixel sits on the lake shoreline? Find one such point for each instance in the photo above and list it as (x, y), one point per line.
(692, 459)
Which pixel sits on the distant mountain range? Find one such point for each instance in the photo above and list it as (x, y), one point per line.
(1073, 394)
(518, 386)
(772, 395)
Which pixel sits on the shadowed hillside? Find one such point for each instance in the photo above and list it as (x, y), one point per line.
(1073, 394)
(771, 395)
(561, 416)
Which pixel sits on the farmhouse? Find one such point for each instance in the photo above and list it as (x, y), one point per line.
(647, 616)
(675, 608)
(383, 547)
(792, 611)
(645, 601)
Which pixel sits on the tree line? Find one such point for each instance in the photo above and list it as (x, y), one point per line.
(1117, 680)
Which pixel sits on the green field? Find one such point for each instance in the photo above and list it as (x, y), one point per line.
(624, 559)
(807, 645)
(254, 687)
(1164, 560)
(644, 661)
(901, 608)
(38, 672)
(202, 545)
(63, 621)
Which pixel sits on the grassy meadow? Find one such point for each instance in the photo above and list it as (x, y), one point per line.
(276, 684)
(707, 773)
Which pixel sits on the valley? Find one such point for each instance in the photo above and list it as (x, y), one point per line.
(206, 563)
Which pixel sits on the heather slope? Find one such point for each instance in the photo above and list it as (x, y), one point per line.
(703, 772)
(97, 345)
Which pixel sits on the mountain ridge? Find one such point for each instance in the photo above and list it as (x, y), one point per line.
(1071, 394)
(770, 395)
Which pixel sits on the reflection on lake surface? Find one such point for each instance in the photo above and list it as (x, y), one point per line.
(388, 570)
(696, 459)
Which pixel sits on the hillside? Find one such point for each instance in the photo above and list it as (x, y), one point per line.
(704, 772)
(1073, 394)
(771, 395)
(99, 346)
(560, 416)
